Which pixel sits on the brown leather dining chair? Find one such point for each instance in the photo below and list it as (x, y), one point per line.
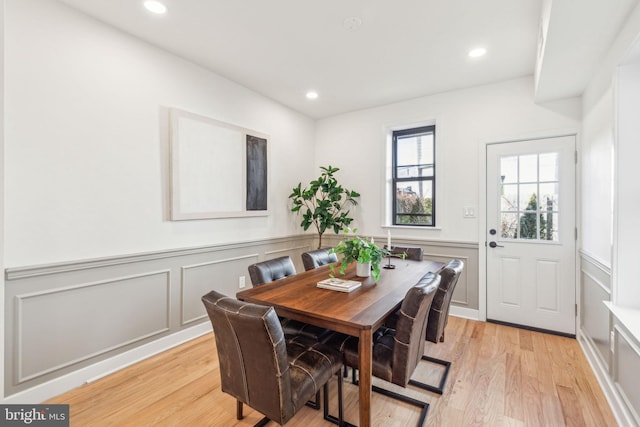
(318, 258)
(439, 316)
(270, 270)
(261, 369)
(275, 269)
(437, 321)
(410, 252)
(439, 313)
(397, 352)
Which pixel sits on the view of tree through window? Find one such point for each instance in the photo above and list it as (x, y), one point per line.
(525, 180)
(414, 176)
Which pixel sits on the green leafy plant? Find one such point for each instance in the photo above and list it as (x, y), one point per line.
(357, 249)
(323, 203)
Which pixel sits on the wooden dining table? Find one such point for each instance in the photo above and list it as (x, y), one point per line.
(358, 313)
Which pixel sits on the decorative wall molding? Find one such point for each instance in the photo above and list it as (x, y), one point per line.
(625, 373)
(135, 311)
(462, 296)
(44, 391)
(595, 287)
(194, 285)
(15, 273)
(606, 383)
(285, 251)
(32, 294)
(597, 262)
(39, 336)
(598, 320)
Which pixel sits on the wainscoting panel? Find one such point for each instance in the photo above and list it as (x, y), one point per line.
(222, 275)
(66, 319)
(461, 292)
(626, 374)
(595, 287)
(294, 252)
(59, 327)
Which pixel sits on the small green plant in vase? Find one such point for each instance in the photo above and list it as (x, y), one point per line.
(362, 251)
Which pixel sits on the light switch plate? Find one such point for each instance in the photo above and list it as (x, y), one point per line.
(469, 212)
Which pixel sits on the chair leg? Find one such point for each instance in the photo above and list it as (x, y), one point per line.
(316, 404)
(239, 415)
(331, 418)
(443, 380)
(263, 422)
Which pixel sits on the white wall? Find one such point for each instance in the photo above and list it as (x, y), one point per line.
(465, 121)
(597, 146)
(87, 141)
(626, 227)
(596, 171)
(610, 231)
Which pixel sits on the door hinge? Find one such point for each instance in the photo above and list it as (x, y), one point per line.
(576, 236)
(576, 156)
(576, 310)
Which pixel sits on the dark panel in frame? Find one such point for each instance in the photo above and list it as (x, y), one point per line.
(256, 173)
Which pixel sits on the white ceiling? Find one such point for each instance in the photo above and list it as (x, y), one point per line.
(403, 49)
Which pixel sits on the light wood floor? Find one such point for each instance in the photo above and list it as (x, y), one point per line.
(501, 376)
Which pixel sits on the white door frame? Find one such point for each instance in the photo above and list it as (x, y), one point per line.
(482, 211)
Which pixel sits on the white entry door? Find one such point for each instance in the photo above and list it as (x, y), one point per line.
(531, 233)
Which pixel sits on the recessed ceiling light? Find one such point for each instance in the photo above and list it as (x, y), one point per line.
(155, 7)
(477, 53)
(312, 94)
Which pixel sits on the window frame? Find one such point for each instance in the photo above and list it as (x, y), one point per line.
(420, 130)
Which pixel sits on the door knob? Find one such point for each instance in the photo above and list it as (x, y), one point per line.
(495, 245)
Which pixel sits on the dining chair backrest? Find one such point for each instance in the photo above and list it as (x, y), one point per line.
(318, 258)
(252, 353)
(411, 252)
(270, 270)
(408, 346)
(439, 313)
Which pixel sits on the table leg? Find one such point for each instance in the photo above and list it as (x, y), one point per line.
(364, 355)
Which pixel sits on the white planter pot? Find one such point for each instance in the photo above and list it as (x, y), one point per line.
(363, 269)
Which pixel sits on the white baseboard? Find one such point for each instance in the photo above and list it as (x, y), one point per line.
(465, 313)
(101, 369)
(616, 404)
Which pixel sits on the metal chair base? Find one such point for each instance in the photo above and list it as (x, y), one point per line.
(424, 406)
(443, 380)
(332, 418)
(263, 422)
(316, 404)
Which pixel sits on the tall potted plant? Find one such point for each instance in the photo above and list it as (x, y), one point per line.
(364, 252)
(324, 203)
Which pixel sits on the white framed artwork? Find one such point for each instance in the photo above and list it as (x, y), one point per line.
(218, 170)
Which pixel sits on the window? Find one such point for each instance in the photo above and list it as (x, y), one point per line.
(414, 176)
(529, 196)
